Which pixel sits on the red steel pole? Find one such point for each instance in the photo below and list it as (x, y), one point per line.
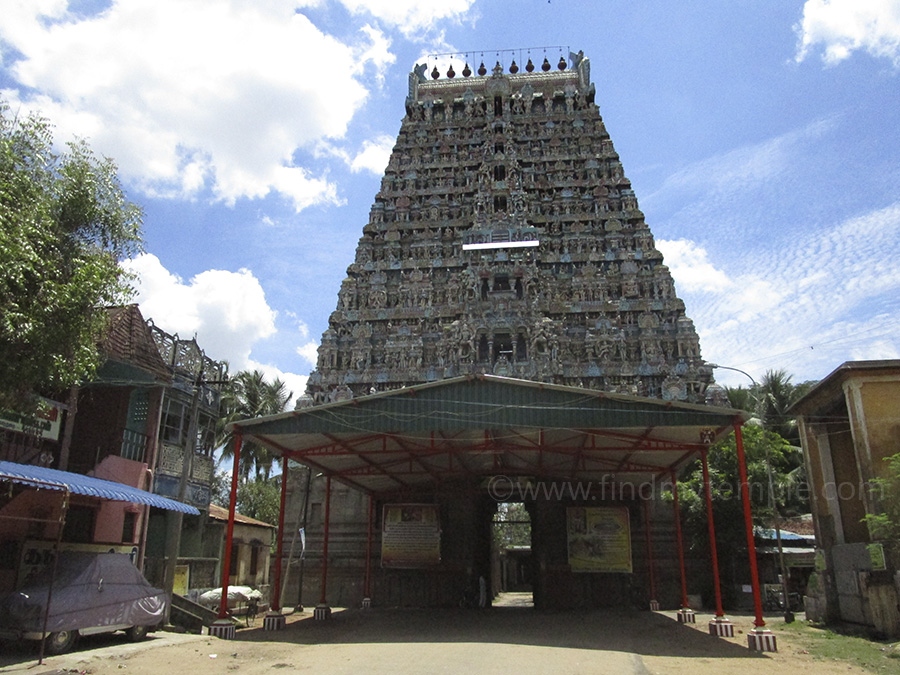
(678, 538)
(322, 600)
(649, 549)
(369, 553)
(748, 526)
(276, 601)
(229, 532)
(707, 490)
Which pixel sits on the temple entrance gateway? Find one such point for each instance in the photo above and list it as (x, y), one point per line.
(590, 466)
(504, 242)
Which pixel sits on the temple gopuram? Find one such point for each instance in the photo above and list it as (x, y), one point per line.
(506, 239)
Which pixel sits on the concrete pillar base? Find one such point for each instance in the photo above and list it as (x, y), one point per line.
(321, 612)
(686, 615)
(274, 620)
(761, 640)
(222, 628)
(721, 627)
(367, 603)
(654, 605)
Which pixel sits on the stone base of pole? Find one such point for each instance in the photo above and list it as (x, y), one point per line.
(686, 615)
(222, 628)
(721, 627)
(367, 603)
(761, 640)
(321, 612)
(654, 605)
(274, 620)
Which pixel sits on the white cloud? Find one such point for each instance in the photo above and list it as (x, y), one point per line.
(374, 155)
(841, 27)
(295, 384)
(310, 352)
(411, 17)
(742, 170)
(805, 307)
(199, 94)
(227, 311)
(690, 266)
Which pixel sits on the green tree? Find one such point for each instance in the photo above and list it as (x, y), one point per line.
(886, 525)
(770, 399)
(512, 525)
(259, 498)
(247, 396)
(64, 226)
(772, 485)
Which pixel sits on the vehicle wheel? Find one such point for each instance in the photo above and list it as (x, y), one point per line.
(137, 633)
(60, 642)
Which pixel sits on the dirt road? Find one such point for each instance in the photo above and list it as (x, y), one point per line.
(499, 640)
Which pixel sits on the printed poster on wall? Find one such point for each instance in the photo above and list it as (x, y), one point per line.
(410, 535)
(599, 539)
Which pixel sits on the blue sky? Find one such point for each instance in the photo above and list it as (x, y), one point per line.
(762, 139)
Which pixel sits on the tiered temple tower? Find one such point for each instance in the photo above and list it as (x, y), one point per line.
(506, 239)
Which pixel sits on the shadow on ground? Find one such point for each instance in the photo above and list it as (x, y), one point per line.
(636, 632)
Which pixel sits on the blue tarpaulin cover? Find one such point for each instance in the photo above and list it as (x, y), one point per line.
(88, 485)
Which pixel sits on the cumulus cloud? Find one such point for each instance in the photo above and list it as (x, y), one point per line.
(690, 266)
(841, 27)
(373, 156)
(226, 311)
(309, 351)
(199, 95)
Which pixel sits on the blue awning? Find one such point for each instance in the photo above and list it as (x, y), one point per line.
(88, 485)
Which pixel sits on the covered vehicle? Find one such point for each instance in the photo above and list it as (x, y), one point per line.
(91, 593)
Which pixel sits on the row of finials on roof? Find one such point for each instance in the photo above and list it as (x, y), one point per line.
(513, 68)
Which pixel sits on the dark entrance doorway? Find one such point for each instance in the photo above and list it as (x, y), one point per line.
(512, 559)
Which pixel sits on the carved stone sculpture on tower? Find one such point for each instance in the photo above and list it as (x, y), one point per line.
(506, 239)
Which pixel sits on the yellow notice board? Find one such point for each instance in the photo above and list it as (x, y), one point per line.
(599, 539)
(182, 579)
(410, 535)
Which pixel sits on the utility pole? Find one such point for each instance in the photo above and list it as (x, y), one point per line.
(175, 519)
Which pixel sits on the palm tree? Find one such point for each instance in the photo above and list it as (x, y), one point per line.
(250, 396)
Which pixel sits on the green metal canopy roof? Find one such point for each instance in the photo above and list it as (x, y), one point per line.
(486, 426)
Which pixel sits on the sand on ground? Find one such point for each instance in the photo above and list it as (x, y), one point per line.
(505, 639)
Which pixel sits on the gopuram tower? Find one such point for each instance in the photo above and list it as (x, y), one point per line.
(506, 239)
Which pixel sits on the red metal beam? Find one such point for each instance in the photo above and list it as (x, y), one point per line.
(366, 460)
(229, 531)
(707, 491)
(321, 468)
(279, 551)
(748, 526)
(679, 539)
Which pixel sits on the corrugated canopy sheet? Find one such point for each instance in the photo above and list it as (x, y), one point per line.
(90, 486)
(491, 425)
